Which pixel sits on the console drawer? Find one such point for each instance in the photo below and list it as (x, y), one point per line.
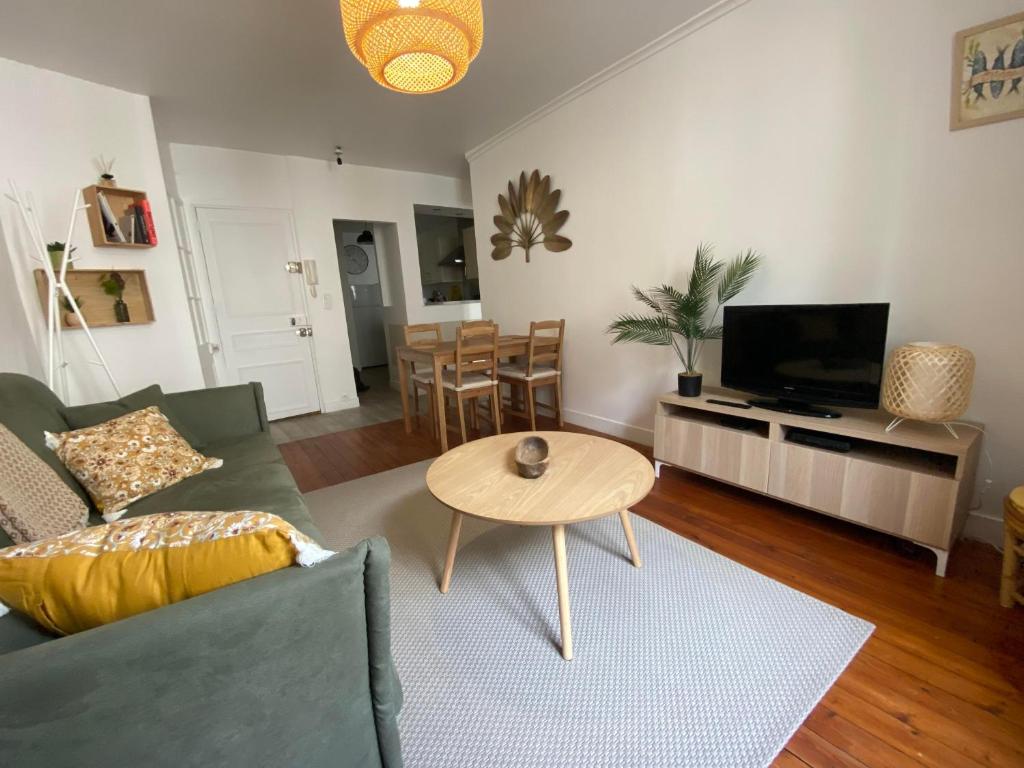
(735, 456)
(903, 500)
(810, 478)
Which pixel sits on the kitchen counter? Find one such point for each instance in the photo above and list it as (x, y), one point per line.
(449, 303)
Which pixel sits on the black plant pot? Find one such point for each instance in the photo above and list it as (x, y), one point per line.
(689, 384)
(121, 312)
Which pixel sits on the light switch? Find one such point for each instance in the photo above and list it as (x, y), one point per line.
(328, 301)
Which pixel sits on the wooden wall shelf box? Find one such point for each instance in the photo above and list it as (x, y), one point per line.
(119, 200)
(97, 306)
(915, 482)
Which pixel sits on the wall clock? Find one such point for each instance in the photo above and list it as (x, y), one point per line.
(356, 260)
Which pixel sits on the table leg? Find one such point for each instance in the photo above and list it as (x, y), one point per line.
(403, 387)
(562, 579)
(453, 545)
(627, 526)
(442, 425)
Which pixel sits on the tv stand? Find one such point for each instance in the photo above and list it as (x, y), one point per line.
(798, 407)
(915, 482)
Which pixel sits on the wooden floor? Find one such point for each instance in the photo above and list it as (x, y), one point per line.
(938, 684)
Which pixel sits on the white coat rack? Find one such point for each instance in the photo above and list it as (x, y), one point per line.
(57, 289)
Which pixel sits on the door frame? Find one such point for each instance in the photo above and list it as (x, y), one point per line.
(209, 298)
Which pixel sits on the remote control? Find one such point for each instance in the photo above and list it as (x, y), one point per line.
(728, 402)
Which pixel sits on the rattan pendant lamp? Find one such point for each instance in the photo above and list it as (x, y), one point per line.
(414, 46)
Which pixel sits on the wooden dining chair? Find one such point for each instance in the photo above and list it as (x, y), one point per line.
(423, 336)
(474, 420)
(541, 368)
(475, 374)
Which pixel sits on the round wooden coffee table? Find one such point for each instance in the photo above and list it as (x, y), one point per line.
(587, 478)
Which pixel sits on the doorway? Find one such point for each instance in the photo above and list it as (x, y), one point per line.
(370, 268)
(362, 292)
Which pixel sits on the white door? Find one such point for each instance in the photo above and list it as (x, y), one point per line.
(260, 307)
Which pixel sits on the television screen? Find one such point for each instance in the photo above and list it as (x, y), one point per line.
(814, 353)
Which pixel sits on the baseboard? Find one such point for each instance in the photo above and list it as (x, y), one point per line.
(611, 427)
(342, 404)
(986, 528)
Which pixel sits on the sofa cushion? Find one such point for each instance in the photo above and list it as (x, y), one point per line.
(81, 416)
(254, 476)
(18, 631)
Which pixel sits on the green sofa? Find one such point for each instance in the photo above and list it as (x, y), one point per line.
(292, 668)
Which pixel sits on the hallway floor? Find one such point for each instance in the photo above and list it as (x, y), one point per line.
(379, 403)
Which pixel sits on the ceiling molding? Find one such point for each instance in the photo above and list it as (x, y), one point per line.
(624, 64)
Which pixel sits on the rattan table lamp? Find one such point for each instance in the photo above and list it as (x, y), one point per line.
(927, 381)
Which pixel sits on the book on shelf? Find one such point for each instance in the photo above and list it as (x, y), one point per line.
(147, 218)
(141, 231)
(128, 228)
(110, 224)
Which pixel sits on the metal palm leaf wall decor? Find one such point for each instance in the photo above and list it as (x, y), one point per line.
(529, 216)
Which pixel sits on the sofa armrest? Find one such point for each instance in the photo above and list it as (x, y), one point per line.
(222, 413)
(290, 668)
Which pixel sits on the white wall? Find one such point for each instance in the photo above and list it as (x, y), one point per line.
(815, 132)
(318, 192)
(53, 127)
(18, 352)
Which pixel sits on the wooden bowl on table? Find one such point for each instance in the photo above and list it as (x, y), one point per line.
(532, 457)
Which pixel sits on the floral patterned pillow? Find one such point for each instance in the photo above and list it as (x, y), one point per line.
(125, 459)
(105, 573)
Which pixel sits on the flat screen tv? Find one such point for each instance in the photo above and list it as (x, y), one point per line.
(803, 355)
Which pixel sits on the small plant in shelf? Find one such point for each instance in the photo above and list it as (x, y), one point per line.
(113, 284)
(70, 318)
(55, 251)
(686, 315)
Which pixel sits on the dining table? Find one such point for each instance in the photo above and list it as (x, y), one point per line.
(437, 357)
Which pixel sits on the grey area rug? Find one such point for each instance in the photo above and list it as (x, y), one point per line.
(691, 660)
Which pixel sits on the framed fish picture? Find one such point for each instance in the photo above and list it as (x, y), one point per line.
(988, 73)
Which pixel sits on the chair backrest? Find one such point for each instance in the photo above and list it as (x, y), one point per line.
(421, 336)
(476, 323)
(545, 344)
(476, 351)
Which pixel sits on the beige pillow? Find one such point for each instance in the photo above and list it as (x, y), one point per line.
(34, 502)
(125, 459)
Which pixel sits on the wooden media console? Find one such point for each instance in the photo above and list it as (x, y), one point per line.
(915, 482)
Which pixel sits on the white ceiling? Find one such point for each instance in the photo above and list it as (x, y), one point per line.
(276, 76)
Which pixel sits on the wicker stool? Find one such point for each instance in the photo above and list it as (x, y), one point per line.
(1013, 547)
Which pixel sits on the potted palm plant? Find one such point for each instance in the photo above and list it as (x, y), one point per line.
(685, 321)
